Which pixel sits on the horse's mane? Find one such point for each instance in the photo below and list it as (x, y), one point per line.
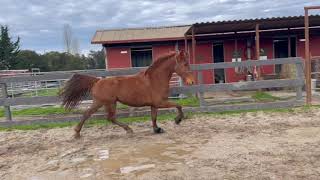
(160, 60)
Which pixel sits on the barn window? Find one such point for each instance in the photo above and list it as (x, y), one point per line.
(141, 57)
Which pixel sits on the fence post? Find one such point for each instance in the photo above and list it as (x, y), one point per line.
(299, 75)
(201, 98)
(7, 110)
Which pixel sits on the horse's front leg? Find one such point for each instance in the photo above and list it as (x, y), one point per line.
(167, 104)
(154, 112)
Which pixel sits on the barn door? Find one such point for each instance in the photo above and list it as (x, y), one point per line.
(218, 57)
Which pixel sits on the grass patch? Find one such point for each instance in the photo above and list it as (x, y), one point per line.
(41, 92)
(38, 111)
(122, 106)
(190, 101)
(264, 97)
(38, 126)
(45, 111)
(90, 123)
(238, 112)
(166, 117)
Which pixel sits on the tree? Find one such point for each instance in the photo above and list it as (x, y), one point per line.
(96, 60)
(28, 59)
(8, 49)
(64, 61)
(67, 37)
(71, 43)
(75, 46)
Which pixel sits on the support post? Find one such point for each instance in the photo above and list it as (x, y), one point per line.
(193, 47)
(201, 97)
(289, 43)
(299, 75)
(307, 57)
(194, 54)
(236, 42)
(186, 43)
(106, 58)
(7, 110)
(307, 52)
(258, 49)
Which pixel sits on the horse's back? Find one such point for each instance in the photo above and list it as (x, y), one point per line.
(132, 90)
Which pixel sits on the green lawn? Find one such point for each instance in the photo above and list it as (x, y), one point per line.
(186, 102)
(264, 97)
(35, 111)
(42, 92)
(167, 117)
(38, 111)
(190, 101)
(92, 122)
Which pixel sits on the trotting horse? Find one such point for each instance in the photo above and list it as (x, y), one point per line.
(147, 88)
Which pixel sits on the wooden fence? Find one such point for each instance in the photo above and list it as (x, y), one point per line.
(297, 83)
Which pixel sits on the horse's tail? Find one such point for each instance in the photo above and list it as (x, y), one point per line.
(76, 89)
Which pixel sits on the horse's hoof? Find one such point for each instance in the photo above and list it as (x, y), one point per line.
(158, 130)
(76, 136)
(129, 131)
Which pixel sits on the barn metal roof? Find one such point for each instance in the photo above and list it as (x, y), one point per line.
(249, 24)
(139, 34)
(167, 33)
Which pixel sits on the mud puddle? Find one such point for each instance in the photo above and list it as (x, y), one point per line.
(137, 160)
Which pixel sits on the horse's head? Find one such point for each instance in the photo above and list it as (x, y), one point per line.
(182, 67)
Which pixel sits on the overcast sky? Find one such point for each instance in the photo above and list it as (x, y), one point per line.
(39, 23)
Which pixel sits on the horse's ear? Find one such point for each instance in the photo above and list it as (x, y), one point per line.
(182, 54)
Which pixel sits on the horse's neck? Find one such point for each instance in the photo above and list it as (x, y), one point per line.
(164, 73)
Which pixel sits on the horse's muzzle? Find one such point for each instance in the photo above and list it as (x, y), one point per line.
(189, 79)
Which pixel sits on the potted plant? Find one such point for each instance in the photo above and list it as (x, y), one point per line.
(236, 57)
(263, 54)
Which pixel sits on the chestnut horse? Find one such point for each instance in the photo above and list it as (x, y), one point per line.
(147, 88)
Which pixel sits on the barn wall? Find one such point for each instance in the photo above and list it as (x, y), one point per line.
(314, 47)
(159, 50)
(267, 45)
(229, 48)
(203, 56)
(300, 49)
(116, 59)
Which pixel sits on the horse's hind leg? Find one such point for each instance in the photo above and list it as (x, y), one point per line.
(111, 109)
(93, 108)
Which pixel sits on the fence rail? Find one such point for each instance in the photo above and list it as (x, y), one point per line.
(297, 83)
(50, 76)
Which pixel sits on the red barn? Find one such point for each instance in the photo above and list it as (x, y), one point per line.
(214, 42)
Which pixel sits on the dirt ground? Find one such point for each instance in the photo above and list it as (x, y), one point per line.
(244, 146)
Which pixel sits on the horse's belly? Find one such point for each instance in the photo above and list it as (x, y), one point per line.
(135, 97)
(134, 94)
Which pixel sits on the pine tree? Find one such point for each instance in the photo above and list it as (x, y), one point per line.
(8, 49)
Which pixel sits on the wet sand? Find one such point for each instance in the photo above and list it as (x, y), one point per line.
(245, 146)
